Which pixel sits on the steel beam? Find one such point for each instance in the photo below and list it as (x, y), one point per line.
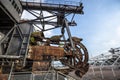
(9, 57)
(69, 34)
(53, 7)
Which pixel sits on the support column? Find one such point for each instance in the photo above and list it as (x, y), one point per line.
(69, 34)
(9, 78)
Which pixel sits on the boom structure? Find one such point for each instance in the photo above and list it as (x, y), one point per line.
(53, 7)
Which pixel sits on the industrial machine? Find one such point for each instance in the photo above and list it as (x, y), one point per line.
(23, 49)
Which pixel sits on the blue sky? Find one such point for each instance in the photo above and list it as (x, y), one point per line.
(99, 26)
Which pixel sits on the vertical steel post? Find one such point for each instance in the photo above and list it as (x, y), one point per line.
(114, 65)
(93, 71)
(57, 75)
(9, 78)
(113, 72)
(33, 76)
(101, 72)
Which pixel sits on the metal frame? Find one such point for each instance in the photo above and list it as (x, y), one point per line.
(109, 61)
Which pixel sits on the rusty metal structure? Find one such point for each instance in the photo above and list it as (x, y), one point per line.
(22, 49)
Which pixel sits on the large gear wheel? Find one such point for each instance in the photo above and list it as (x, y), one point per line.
(76, 59)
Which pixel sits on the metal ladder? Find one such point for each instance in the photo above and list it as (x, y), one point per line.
(18, 45)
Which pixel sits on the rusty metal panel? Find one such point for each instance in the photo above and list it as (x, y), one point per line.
(39, 52)
(35, 52)
(54, 51)
(40, 66)
(3, 76)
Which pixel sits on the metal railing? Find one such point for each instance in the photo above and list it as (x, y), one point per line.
(40, 75)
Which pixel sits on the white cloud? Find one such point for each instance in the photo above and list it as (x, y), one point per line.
(27, 16)
(45, 13)
(48, 33)
(38, 0)
(111, 43)
(118, 30)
